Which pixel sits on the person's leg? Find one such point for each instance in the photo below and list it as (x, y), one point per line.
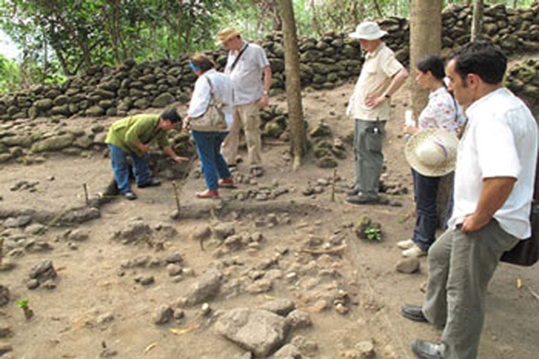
(426, 220)
(230, 144)
(120, 169)
(141, 169)
(474, 258)
(205, 148)
(251, 125)
(371, 158)
(220, 163)
(439, 257)
(357, 144)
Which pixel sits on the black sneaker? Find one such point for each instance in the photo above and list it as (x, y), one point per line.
(153, 182)
(130, 195)
(362, 199)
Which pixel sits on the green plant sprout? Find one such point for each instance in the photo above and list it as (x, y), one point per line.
(23, 304)
(373, 233)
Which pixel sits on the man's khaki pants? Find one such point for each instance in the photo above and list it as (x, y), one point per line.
(247, 115)
(460, 268)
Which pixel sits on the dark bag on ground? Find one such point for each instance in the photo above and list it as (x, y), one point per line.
(526, 252)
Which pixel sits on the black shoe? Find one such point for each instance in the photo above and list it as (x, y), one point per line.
(153, 182)
(362, 199)
(352, 192)
(427, 350)
(130, 195)
(414, 312)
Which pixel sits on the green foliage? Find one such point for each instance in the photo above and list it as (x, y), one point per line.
(23, 304)
(10, 75)
(373, 234)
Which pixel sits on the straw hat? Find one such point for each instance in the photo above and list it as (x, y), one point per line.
(368, 30)
(432, 152)
(227, 34)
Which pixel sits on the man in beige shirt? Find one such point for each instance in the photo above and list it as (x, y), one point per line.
(381, 76)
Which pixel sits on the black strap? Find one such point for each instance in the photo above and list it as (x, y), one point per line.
(238, 57)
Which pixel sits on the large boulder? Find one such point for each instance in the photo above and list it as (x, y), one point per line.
(162, 100)
(257, 330)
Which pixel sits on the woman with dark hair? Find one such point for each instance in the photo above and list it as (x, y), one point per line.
(210, 85)
(441, 112)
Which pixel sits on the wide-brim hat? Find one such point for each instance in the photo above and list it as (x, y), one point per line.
(368, 30)
(226, 34)
(432, 152)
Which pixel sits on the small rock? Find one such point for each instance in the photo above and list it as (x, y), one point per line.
(43, 271)
(306, 347)
(5, 331)
(408, 265)
(174, 269)
(298, 319)
(7, 265)
(4, 295)
(288, 351)
(49, 284)
(201, 233)
(206, 287)
(224, 230)
(108, 353)
(105, 318)
(163, 315)
(32, 284)
(178, 314)
(279, 306)
(341, 309)
(35, 228)
(145, 280)
(78, 235)
(205, 310)
(246, 355)
(20, 221)
(174, 257)
(365, 349)
(319, 306)
(5, 347)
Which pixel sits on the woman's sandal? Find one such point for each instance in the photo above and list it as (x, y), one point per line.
(208, 194)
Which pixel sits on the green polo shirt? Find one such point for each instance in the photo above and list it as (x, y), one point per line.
(136, 129)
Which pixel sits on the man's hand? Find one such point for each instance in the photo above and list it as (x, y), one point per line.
(264, 100)
(474, 223)
(374, 101)
(144, 148)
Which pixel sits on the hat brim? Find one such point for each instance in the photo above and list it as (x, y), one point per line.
(449, 140)
(228, 37)
(378, 35)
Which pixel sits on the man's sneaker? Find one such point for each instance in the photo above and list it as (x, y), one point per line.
(362, 199)
(352, 192)
(130, 195)
(406, 244)
(152, 182)
(414, 252)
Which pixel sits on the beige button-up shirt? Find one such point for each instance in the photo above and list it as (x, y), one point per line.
(379, 68)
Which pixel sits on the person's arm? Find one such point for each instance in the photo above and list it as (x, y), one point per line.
(495, 192)
(264, 100)
(169, 151)
(396, 83)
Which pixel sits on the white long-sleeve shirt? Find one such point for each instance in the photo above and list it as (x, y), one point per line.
(223, 90)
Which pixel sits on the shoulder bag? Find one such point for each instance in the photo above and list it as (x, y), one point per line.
(213, 120)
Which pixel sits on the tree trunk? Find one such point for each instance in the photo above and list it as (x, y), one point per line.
(293, 83)
(477, 21)
(426, 38)
(278, 18)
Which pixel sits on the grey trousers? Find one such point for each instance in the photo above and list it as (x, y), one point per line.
(369, 159)
(460, 268)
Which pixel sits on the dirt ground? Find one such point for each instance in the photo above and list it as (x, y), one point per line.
(97, 308)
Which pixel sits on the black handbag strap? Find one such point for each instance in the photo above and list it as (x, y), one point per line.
(238, 57)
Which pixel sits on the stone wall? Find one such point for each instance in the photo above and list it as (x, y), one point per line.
(325, 63)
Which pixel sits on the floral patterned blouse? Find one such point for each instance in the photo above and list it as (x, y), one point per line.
(442, 112)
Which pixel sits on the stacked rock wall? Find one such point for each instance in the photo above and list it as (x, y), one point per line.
(325, 63)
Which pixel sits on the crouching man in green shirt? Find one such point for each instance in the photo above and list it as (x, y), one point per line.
(133, 136)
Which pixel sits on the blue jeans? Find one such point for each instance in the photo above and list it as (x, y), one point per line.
(141, 169)
(425, 192)
(209, 152)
